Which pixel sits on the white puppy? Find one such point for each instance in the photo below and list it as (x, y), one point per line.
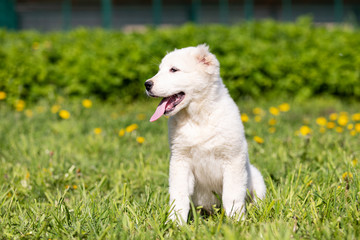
(209, 154)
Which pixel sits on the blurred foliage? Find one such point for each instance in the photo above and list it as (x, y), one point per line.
(260, 58)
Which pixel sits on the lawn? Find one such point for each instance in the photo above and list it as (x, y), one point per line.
(74, 169)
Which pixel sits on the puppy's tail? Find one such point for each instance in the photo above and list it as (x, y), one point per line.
(257, 186)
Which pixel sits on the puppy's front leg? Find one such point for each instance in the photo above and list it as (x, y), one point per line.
(181, 186)
(234, 189)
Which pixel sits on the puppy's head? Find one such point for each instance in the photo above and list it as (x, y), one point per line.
(183, 75)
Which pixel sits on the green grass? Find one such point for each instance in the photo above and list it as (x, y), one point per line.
(60, 180)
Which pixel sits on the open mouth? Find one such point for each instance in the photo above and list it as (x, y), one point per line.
(173, 101)
(167, 105)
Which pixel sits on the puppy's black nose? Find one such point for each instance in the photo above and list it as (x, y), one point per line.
(148, 85)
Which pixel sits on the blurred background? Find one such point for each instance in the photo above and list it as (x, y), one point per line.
(48, 15)
(108, 48)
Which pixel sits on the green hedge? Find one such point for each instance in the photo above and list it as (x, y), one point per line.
(258, 59)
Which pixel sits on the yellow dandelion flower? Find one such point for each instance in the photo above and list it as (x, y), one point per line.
(285, 107)
(19, 105)
(40, 109)
(29, 113)
(272, 121)
(354, 162)
(140, 140)
(67, 186)
(55, 108)
(343, 120)
(350, 126)
(339, 187)
(339, 129)
(2, 95)
(64, 114)
(306, 121)
(272, 130)
(309, 183)
(27, 176)
(60, 99)
(97, 131)
(35, 46)
(321, 121)
(257, 119)
(322, 130)
(258, 139)
(140, 116)
(131, 127)
(333, 116)
(347, 176)
(114, 115)
(74, 187)
(330, 125)
(47, 44)
(274, 111)
(121, 132)
(357, 127)
(355, 117)
(257, 111)
(244, 117)
(305, 130)
(87, 103)
(352, 132)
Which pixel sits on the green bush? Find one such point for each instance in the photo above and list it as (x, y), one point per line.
(258, 59)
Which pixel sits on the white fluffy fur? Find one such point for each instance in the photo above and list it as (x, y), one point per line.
(209, 152)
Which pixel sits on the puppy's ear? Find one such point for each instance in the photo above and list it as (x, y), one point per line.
(207, 59)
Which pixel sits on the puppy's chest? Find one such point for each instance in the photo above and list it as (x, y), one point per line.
(199, 137)
(205, 151)
(206, 165)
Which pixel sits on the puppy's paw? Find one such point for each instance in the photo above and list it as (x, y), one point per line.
(175, 218)
(237, 214)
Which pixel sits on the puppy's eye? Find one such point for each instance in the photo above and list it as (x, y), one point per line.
(173, 69)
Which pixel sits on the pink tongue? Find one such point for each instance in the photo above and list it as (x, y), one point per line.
(160, 110)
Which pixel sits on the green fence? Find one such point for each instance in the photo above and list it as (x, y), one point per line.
(8, 14)
(8, 17)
